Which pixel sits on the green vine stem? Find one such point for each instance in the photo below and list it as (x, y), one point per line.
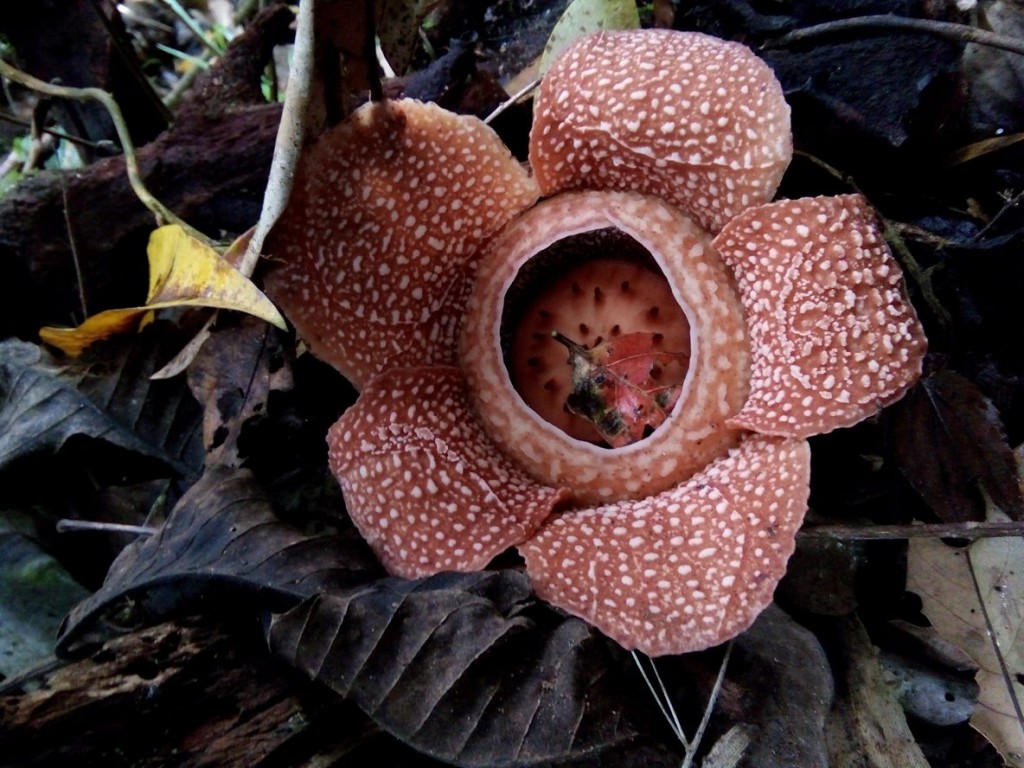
(162, 213)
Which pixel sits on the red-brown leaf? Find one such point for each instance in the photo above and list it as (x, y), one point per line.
(950, 443)
(625, 386)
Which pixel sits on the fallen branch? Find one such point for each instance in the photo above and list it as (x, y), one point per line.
(967, 530)
(961, 33)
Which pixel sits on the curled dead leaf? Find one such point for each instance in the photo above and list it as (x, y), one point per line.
(183, 272)
(625, 386)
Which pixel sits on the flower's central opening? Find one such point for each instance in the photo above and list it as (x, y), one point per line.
(594, 340)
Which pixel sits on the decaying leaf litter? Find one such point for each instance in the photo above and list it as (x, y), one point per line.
(128, 449)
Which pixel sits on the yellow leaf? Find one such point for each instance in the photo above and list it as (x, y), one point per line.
(74, 341)
(186, 272)
(985, 147)
(183, 272)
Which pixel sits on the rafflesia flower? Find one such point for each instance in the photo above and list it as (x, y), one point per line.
(619, 379)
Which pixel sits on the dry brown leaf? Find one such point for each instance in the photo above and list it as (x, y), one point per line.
(984, 147)
(781, 685)
(995, 77)
(951, 445)
(232, 377)
(867, 726)
(974, 597)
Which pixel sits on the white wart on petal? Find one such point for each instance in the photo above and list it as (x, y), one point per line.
(697, 121)
(686, 569)
(376, 247)
(833, 336)
(423, 484)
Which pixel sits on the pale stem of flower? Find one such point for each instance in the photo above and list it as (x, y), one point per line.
(662, 699)
(513, 99)
(382, 61)
(64, 526)
(664, 702)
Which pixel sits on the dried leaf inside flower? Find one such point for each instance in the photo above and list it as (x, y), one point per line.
(183, 272)
(625, 386)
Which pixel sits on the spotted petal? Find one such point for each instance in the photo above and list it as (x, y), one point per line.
(697, 121)
(833, 336)
(423, 483)
(382, 230)
(686, 569)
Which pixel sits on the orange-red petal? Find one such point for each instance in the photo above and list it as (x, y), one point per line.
(697, 121)
(833, 336)
(382, 230)
(686, 569)
(423, 483)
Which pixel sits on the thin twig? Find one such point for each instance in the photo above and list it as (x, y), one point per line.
(921, 235)
(67, 526)
(967, 530)
(712, 699)
(672, 721)
(993, 638)
(41, 145)
(370, 52)
(1009, 206)
(185, 82)
(162, 213)
(959, 32)
(668, 704)
(382, 61)
(131, 62)
(73, 246)
(189, 22)
(841, 176)
(513, 99)
(55, 133)
(921, 277)
(664, 702)
(188, 58)
(894, 236)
